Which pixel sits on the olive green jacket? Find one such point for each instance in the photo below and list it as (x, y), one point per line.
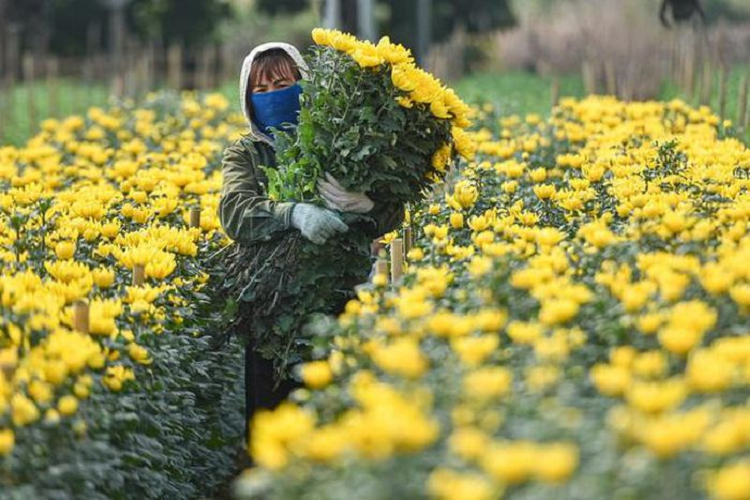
(246, 213)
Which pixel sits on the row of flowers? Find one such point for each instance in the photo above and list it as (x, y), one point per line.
(573, 322)
(132, 398)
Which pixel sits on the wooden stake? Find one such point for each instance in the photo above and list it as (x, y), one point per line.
(742, 102)
(12, 55)
(28, 76)
(174, 66)
(381, 267)
(689, 81)
(698, 93)
(707, 85)
(408, 243)
(746, 118)
(203, 80)
(555, 92)
(81, 316)
(8, 370)
(397, 260)
(610, 77)
(150, 70)
(144, 77)
(195, 217)
(53, 89)
(139, 275)
(4, 110)
(223, 63)
(589, 78)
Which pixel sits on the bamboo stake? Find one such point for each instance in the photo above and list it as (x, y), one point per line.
(742, 102)
(139, 274)
(555, 92)
(397, 260)
(195, 217)
(81, 316)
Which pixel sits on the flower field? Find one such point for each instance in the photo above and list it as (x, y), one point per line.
(573, 323)
(132, 402)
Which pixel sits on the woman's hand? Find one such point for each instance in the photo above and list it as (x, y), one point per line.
(336, 197)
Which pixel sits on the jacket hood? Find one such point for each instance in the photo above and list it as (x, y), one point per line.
(247, 65)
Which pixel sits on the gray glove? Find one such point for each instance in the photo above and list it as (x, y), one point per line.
(315, 223)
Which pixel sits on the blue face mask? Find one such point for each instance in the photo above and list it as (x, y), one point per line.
(272, 109)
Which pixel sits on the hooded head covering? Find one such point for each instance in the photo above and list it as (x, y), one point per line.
(247, 65)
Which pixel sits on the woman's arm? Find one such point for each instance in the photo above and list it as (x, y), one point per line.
(247, 215)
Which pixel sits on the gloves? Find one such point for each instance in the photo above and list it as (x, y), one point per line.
(336, 197)
(315, 223)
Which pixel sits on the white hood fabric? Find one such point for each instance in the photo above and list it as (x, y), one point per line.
(247, 65)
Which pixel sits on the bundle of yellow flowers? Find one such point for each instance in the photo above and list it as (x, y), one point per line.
(372, 119)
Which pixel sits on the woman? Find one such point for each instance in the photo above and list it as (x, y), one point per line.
(269, 97)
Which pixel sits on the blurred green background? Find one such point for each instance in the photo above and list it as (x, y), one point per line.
(60, 57)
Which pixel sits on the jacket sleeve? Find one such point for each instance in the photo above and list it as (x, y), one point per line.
(247, 215)
(387, 216)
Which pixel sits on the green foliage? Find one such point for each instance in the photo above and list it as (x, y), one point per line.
(276, 287)
(516, 92)
(73, 98)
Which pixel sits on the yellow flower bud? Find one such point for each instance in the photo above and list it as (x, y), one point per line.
(65, 250)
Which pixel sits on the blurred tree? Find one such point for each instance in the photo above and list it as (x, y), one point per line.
(71, 31)
(190, 22)
(32, 18)
(728, 10)
(400, 20)
(276, 7)
(64, 26)
(475, 16)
